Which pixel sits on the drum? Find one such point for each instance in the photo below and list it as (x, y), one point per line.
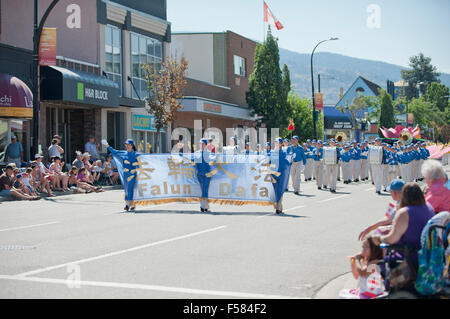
(375, 155)
(330, 155)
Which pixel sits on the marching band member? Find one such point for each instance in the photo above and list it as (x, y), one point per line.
(345, 158)
(268, 149)
(318, 167)
(331, 167)
(385, 166)
(296, 168)
(202, 159)
(309, 161)
(307, 172)
(129, 161)
(377, 169)
(340, 148)
(356, 162)
(393, 165)
(285, 144)
(282, 165)
(416, 162)
(324, 169)
(364, 163)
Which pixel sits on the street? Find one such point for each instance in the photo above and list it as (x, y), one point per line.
(85, 246)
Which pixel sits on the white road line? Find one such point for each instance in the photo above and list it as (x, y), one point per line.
(264, 215)
(370, 189)
(191, 291)
(326, 200)
(155, 209)
(293, 208)
(77, 262)
(29, 226)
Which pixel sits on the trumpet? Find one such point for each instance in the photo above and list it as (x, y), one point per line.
(340, 137)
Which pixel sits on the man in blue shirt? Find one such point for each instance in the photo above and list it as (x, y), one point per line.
(299, 160)
(91, 148)
(14, 152)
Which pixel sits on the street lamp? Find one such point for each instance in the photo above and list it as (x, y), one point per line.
(323, 77)
(312, 83)
(37, 30)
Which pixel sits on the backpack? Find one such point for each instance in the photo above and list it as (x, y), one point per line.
(430, 276)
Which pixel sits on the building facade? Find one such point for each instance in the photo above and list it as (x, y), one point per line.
(97, 86)
(219, 66)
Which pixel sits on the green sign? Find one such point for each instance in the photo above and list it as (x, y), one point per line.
(80, 91)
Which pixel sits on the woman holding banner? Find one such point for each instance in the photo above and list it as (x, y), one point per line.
(126, 163)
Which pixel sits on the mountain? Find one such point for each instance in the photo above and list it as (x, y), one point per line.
(338, 71)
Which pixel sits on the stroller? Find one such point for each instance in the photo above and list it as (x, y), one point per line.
(430, 278)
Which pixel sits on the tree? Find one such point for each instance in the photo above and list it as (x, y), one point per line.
(438, 95)
(422, 71)
(165, 87)
(387, 118)
(303, 118)
(268, 86)
(425, 112)
(358, 104)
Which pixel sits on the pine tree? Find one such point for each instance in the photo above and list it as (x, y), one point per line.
(387, 119)
(269, 86)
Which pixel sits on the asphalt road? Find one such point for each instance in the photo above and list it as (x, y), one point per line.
(84, 246)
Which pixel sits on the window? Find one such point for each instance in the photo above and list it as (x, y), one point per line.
(239, 65)
(143, 50)
(113, 52)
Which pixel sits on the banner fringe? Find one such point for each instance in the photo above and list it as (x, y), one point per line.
(197, 200)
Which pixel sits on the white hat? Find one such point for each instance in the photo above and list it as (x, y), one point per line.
(38, 156)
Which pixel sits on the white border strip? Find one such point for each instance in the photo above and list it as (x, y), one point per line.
(77, 262)
(191, 291)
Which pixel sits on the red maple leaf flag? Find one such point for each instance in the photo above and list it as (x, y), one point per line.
(270, 18)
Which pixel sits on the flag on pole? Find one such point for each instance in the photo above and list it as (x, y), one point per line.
(270, 18)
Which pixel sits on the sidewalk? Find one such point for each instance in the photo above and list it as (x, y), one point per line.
(331, 289)
(58, 194)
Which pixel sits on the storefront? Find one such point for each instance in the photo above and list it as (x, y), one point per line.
(145, 134)
(16, 111)
(71, 107)
(336, 122)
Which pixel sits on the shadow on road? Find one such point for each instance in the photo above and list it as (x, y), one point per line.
(191, 212)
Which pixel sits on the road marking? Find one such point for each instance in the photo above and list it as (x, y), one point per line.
(326, 200)
(293, 208)
(30, 226)
(165, 241)
(125, 212)
(370, 189)
(149, 287)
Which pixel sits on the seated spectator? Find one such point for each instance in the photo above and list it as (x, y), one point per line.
(83, 182)
(78, 162)
(72, 183)
(87, 164)
(396, 193)
(28, 181)
(41, 181)
(45, 172)
(56, 168)
(97, 171)
(110, 169)
(409, 221)
(437, 194)
(365, 269)
(7, 188)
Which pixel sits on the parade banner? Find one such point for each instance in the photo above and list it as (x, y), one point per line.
(222, 179)
(47, 47)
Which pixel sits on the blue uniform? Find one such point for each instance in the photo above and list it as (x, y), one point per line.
(299, 153)
(129, 162)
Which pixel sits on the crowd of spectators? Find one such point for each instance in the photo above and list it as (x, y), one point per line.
(87, 173)
(405, 219)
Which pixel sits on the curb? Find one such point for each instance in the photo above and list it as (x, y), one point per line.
(59, 194)
(331, 289)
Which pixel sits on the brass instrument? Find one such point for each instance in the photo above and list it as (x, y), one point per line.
(405, 137)
(340, 137)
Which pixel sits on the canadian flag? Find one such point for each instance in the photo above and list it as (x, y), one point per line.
(270, 18)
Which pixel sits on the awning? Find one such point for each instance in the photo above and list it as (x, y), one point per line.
(334, 119)
(16, 98)
(80, 87)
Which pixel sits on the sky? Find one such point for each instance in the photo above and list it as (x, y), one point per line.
(383, 30)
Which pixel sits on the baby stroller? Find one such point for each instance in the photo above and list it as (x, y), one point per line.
(429, 278)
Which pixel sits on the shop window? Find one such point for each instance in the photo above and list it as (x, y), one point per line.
(113, 55)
